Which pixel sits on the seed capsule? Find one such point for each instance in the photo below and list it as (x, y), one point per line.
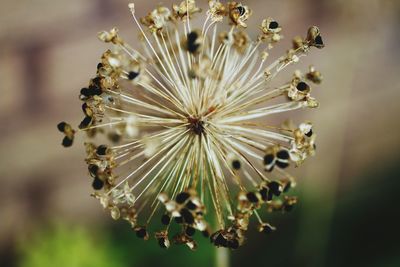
(165, 219)
(67, 141)
(190, 231)
(142, 233)
(187, 216)
(264, 193)
(69, 133)
(242, 10)
(190, 205)
(132, 75)
(273, 25)
(193, 42)
(86, 122)
(97, 184)
(163, 242)
(93, 170)
(252, 197)
(266, 228)
(276, 188)
(236, 164)
(182, 197)
(218, 239)
(314, 37)
(302, 87)
(233, 244)
(102, 150)
(61, 126)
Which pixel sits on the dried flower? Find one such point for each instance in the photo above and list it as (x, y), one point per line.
(184, 129)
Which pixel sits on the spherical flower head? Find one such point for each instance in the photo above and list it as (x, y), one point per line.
(186, 119)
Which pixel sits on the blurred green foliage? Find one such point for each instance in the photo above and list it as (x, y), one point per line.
(65, 246)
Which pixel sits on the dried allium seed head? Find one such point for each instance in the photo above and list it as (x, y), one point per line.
(183, 120)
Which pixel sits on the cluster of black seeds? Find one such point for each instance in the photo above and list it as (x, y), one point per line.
(276, 158)
(99, 174)
(69, 133)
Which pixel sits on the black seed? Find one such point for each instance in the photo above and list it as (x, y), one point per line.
(67, 142)
(268, 229)
(309, 134)
(192, 37)
(93, 170)
(97, 81)
(318, 40)
(190, 231)
(187, 216)
(132, 75)
(191, 42)
(268, 159)
(252, 197)
(61, 126)
(281, 164)
(233, 244)
(114, 137)
(84, 107)
(302, 86)
(96, 91)
(241, 10)
(283, 154)
(270, 195)
(86, 92)
(273, 25)
(85, 123)
(220, 241)
(161, 242)
(182, 197)
(264, 193)
(179, 220)
(97, 184)
(101, 150)
(100, 65)
(236, 164)
(190, 205)
(165, 219)
(275, 188)
(141, 232)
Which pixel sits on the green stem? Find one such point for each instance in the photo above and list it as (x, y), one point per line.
(221, 257)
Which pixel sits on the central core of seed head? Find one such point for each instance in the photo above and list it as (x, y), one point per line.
(196, 125)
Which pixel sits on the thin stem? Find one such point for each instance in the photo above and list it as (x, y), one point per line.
(221, 254)
(221, 257)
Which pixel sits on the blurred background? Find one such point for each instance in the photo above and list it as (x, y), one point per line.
(347, 215)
